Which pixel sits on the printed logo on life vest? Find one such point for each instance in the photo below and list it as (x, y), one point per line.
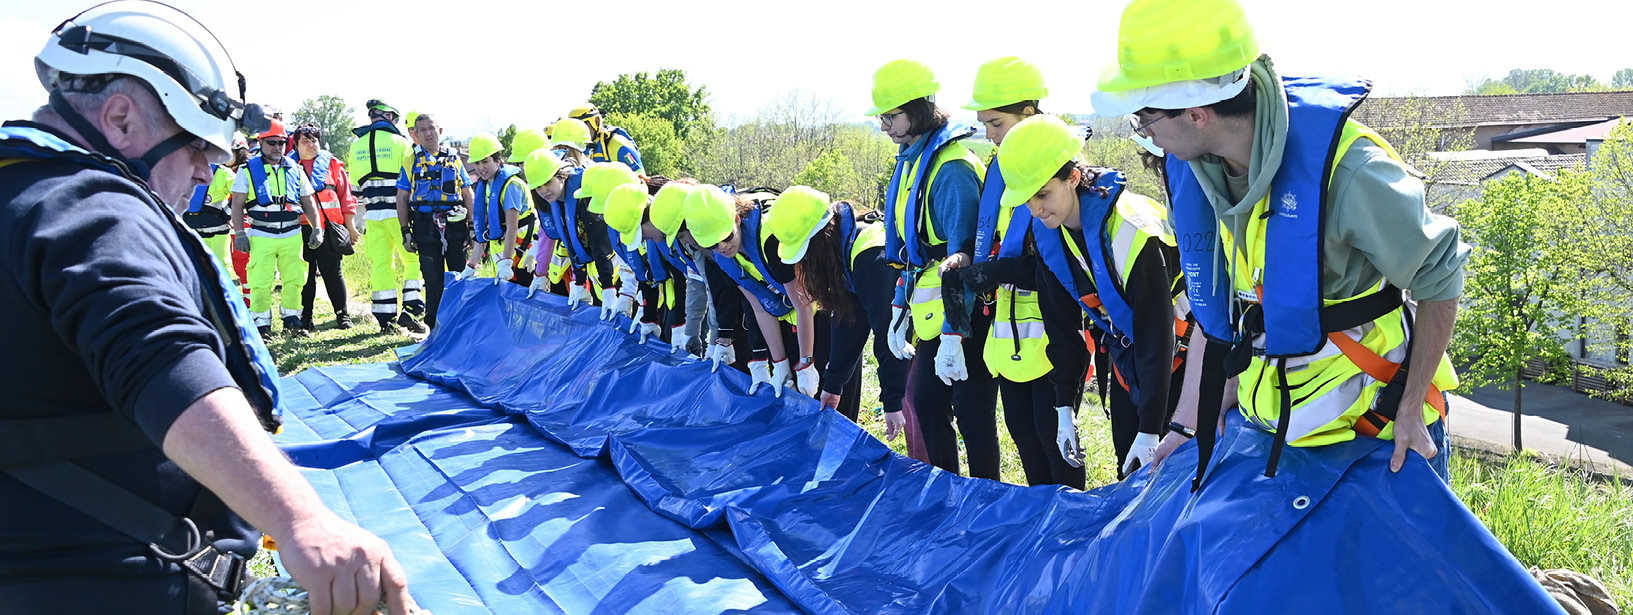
(1289, 205)
(929, 316)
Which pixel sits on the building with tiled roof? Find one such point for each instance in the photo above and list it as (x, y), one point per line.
(1497, 121)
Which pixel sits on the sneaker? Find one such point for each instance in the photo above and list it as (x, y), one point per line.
(387, 326)
(343, 321)
(307, 324)
(292, 326)
(409, 323)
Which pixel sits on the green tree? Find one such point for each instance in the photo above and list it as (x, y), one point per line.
(333, 117)
(1622, 80)
(665, 95)
(1536, 266)
(661, 151)
(783, 140)
(507, 136)
(1538, 81)
(827, 173)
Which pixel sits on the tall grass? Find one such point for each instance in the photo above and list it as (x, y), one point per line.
(1553, 517)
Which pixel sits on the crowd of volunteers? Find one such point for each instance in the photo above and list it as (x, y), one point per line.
(1289, 271)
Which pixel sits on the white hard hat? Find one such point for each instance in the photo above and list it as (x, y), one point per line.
(167, 49)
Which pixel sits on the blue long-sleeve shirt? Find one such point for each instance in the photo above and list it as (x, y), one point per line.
(955, 200)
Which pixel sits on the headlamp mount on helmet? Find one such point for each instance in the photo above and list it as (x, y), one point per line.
(214, 101)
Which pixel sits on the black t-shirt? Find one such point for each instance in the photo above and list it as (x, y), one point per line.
(102, 313)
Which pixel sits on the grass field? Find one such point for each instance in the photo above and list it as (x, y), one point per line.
(1547, 515)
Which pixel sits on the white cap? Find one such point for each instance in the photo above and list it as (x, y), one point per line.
(1176, 95)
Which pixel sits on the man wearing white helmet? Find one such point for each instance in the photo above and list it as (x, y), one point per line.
(124, 480)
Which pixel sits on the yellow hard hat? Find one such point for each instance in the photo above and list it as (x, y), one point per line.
(1006, 81)
(626, 205)
(525, 142)
(798, 214)
(541, 166)
(668, 208)
(408, 120)
(484, 145)
(570, 131)
(711, 215)
(899, 82)
(589, 114)
(1033, 152)
(1165, 41)
(600, 179)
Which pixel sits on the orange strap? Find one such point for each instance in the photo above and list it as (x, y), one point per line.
(1091, 300)
(1372, 423)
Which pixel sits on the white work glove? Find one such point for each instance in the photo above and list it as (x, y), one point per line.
(807, 380)
(950, 359)
(1066, 437)
(1141, 453)
(679, 341)
(531, 256)
(317, 237)
(505, 270)
(468, 273)
(647, 329)
(577, 295)
(900, 334)
(759, 372)
(609, 303)
(625, 305)
(240, 240)
(534, 286)
(779, 376)
(720, 354)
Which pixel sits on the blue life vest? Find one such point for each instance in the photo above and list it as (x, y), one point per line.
(488, 221)
(647, 265)
(898, 250)
(567, 210)
(849, 231)
(435, 185)
(1013, 240)
(201, 192)
(274, 213)
(1094, 212)
(677, 257)
(1317, 110)
(247, 359)
(320, 171)
(765, 289)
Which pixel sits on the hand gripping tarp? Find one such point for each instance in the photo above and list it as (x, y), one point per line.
(530, 459)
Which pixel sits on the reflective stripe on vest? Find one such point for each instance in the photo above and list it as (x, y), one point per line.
(1016, 346)
(909, 208)
(273, 214)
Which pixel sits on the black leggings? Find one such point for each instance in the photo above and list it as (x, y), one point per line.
(850, 399)
(974, 402)
(1029, 413)
(328, 264)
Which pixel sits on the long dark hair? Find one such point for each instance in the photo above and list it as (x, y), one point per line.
(823, 268)
(1089, 175)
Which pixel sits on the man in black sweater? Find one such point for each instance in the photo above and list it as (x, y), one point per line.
(129, 375)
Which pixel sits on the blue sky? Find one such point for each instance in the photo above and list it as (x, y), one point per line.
(529, 62)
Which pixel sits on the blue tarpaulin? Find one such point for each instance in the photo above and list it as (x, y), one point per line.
(528, 458)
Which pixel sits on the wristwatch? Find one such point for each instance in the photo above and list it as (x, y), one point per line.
(1181, 429)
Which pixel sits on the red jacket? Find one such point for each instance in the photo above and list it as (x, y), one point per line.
(338, 189)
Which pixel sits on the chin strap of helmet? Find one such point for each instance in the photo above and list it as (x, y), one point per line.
(141, 166)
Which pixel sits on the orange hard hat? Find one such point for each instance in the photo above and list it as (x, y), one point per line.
(276, 131)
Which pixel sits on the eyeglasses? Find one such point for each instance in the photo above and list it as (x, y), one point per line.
(886, 119)
(273, 142)
(1144, 130)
